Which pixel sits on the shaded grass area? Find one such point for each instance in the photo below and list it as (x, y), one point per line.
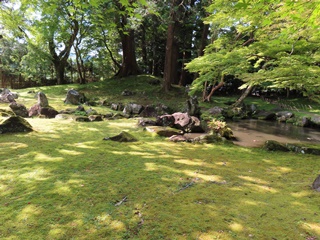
(64, 182)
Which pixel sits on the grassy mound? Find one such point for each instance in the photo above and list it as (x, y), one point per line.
(62, 181)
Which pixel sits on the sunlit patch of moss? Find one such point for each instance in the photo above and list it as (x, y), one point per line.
(313, 227)
(39, 174)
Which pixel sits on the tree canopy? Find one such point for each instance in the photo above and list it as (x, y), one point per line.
(269, 44)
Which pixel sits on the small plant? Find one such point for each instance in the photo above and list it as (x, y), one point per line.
(216, 125)
(220, 128)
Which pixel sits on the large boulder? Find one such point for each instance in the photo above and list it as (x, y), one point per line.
(181, 121)
(74, 97)
(133, 109)
(14, 124)
(19, 109)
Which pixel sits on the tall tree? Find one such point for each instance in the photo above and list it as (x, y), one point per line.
(170, 57)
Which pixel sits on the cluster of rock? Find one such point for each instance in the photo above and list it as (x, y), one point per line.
(272, 145)
(252, 111)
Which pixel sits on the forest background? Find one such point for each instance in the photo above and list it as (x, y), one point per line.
(266, 44)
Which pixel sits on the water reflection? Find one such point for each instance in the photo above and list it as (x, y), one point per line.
(253, 133)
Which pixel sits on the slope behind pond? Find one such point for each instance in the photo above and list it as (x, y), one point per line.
(62, 181)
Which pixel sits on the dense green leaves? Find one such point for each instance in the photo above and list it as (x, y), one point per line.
(271, 43)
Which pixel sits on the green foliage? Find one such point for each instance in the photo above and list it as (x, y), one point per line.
(280, 46)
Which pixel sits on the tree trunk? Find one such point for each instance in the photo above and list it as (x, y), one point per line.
(129, 64)
(243, 96)
(168, 78)
(204, 39)
(59, 67)
(60, 61)
(144, 49)
(169, 66)
(207, 98)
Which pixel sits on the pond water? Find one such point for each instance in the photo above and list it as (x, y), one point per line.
(254, 133)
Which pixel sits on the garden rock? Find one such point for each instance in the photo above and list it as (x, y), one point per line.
(208, 138)
(42, 100)
(127, 93)
(146, 122)
(163, 109)
(81, 119)
(48, 112)
(74, 97)
(193, 108)
(178, 138)
(165, 120)
(117, 106)
(181, 120)
(315, 121)
(15, 124)
(303, 122)
(215, 111)
(108, 115)
(80, 108)
(163, 131)
(7, 96)
(122, 137)
(19, 109)
(265, 115)
(272, 145)
(284, 116)
(91, 111)
(133, 109)
(316, 184)
(149, 111)
(34, 110)
(95, 118)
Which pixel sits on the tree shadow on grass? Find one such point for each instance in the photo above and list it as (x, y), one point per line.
(64, 182)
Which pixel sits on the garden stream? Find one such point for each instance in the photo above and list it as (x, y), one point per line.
(254, 133)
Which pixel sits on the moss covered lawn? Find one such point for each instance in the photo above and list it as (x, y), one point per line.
(62, 181)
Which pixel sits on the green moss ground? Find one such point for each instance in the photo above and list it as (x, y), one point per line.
(62, 181)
